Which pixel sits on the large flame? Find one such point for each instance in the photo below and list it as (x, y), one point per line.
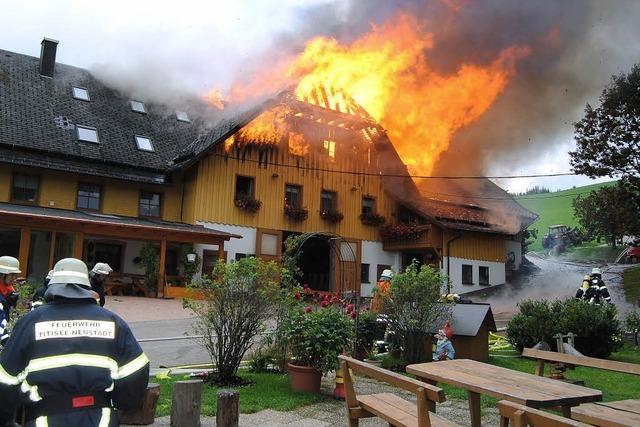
(387, 72)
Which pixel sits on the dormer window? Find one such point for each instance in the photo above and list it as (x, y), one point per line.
(87, 134)
(80, 93)
(182, 116)
(138, 107)
(144, 143)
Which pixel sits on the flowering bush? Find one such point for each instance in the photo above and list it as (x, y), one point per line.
(331, 215)
(248, 204)
(318, 328)
(295, 213)
(400, 232)
(373, 219)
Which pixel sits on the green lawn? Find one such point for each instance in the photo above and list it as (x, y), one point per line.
(269, 391)
(272, 391)
(555, 208)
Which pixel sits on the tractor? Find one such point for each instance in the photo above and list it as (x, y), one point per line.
(560, 237)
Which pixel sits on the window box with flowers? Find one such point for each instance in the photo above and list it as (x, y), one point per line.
(400, 232)
(373, 219)
(295, 213)
(248, 204)
(331, 215)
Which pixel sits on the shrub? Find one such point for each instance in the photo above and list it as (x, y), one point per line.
(368, 329)
(632, 322)
(596, 327)
(239, 299)
(413, 307)
(150, 262)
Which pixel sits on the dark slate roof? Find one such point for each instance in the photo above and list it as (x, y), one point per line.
(39, 114)
(108, 219)
(466, 319)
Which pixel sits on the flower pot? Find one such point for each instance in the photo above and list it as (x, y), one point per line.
(304, 378)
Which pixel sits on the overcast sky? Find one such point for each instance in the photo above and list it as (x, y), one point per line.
(201, 45)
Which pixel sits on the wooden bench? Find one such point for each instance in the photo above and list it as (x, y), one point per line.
(516, 415)
(621, 413)
(549, 356)
(388, 406)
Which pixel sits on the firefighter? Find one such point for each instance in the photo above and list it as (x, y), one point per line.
(9, 269)
(70, 362)
(38, 296)
(603, 292)
(383, 287)
(97, 277)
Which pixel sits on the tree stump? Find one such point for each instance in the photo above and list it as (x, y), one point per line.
(186, 403)
(227, 410)
(145, 414)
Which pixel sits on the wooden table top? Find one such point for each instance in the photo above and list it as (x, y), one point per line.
(622, 413)
(519, 387)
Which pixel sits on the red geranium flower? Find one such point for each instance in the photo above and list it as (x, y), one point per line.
(308, 309)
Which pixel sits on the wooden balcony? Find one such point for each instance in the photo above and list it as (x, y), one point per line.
(429, 237)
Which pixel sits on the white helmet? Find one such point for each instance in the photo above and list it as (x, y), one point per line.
(70, 271)
(102, 268)
(9, 265)
(596, 270)
(49, 275)
(387, 274)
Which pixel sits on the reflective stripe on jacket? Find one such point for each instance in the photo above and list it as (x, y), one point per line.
(73, 347)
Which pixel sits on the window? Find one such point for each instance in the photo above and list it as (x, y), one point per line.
(368, 205)
(25, 188)
(182, 116)
(138, 107)
(239, 256)
(330, 146)
(484, 275)
(89, 196)
(293, 195)
(87, 134)
(150, 204)
(144, 143)
(244, 187)
(364, 273)
(467, 274)
(328, 201)
(80, 93)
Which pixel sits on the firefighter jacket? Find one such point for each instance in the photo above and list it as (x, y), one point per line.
(603, 293)
(5, 311)
(70, 362)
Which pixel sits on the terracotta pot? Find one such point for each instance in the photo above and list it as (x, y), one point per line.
(304, 378)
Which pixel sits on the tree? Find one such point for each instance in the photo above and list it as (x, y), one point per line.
(608, 137)
(239, 298)
(609, 213)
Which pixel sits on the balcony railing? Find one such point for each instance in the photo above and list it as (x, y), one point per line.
(408, 237)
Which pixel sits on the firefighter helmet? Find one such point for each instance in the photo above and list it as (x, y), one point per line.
(102, 268)
(70, 271)
(596, 270)
(9, 265)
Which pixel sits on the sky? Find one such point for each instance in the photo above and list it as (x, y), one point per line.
(197, 46)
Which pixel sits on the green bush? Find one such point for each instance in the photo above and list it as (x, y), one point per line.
(632, 322)
(368, 330)
(596, 327)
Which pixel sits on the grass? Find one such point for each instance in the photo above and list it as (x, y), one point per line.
(268, 391)
(555, 208)
(591, 253)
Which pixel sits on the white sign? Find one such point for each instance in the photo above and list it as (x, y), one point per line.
(75, 329)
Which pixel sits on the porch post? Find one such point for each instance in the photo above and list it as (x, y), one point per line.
(221, 249)
(161, 271)
(52, 249)
(78, 245)
(25, 242)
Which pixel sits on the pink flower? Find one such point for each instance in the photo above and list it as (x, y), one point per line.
(325, 303)
(350, 308)
(353, 314)
(298, 296)
(308, 309)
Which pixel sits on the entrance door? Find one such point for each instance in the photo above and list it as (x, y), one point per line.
(346, 265)
(209, 259)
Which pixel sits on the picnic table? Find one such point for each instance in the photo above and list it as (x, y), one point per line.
(481, 378)
(622, 413)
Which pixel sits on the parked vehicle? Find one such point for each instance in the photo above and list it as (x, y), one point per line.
(633, 253)
(560, 237)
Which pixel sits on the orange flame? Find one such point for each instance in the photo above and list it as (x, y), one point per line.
(387, 72)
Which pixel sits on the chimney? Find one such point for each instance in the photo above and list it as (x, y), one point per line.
(48, 57)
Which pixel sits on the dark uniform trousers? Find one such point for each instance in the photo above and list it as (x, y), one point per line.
(70, 362)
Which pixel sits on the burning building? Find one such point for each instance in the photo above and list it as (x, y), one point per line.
(90, 173)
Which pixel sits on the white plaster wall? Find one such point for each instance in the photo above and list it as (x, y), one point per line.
(496, 274)
(373, 254)
(516, 248)
(246, 245)
(131, 251)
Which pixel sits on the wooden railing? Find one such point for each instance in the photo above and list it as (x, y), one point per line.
(426, 239)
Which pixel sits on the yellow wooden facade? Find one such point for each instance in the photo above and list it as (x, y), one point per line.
(59, 190)
(478, 246)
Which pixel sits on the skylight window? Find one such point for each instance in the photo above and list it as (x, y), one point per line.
(80, 93)
(87, 134)
(138, 107)
(182, 116)
(144, 143)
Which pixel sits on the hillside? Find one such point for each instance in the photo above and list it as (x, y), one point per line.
(555, 208)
